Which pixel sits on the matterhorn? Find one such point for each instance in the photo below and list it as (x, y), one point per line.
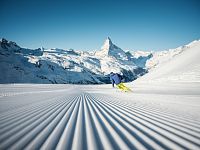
(110, 49)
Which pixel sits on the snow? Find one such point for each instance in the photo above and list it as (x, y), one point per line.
(22, 65)
(162, 112)
(181, 67)
(110, 49)
(36, 116)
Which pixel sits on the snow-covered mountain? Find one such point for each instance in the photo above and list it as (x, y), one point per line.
(175, 65)
(152, 59)
(22, 65)
(109, 49)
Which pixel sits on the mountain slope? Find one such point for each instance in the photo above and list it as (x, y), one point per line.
(183, 66)
(41, 66)
(21, 65)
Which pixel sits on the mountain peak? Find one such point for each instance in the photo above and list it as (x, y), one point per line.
(108, 39)
(5, 44)
(110, 49)
(3, 40)
(107, 44)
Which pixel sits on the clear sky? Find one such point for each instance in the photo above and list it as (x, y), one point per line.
(85, 24)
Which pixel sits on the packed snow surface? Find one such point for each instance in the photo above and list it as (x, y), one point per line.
(36, 116)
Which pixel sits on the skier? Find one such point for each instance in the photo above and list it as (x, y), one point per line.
(117, 79)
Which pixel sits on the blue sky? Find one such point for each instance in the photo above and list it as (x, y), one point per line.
(84, 24)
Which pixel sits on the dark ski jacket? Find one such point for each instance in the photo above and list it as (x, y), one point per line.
(115, 78)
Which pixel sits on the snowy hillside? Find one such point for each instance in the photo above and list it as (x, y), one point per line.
(179, 65)
(21, 65)
(151, 59)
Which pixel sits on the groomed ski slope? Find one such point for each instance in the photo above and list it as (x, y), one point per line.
(162, 112)
(93, 117)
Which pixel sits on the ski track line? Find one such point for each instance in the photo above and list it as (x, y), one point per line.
(170, 122)
(143, 128)
(81, 120)
(19, 118)
(176, 135)
(25, 128)
(23, 112)
(153, 107)
(162, 113)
